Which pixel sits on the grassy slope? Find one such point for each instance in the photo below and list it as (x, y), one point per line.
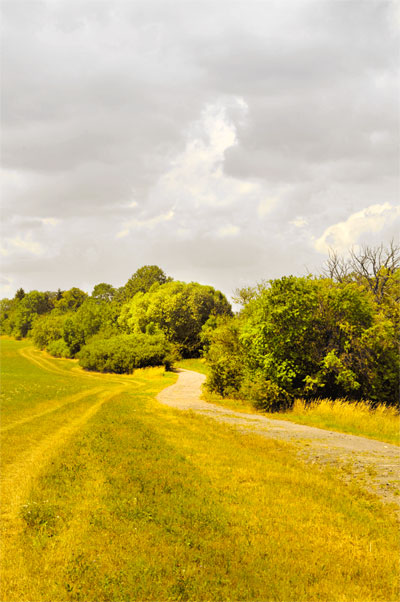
(357, 419)
(126, 499)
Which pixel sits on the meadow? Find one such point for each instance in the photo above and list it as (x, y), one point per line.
(107, 495)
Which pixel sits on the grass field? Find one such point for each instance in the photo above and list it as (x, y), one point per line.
(382, 423)
(109, 496)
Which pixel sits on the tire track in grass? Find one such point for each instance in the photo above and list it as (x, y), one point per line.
(16, 484)
(37, 358)
(28, 353)
(18, 477)
(65, 401)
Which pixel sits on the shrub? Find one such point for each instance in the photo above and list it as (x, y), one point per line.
(124, 353)
(224, 356)
(59, 348)
(266, 395)
(47, 329)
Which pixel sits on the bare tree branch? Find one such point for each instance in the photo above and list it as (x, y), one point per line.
(373, 266)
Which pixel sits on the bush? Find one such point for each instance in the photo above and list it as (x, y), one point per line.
(47, 329)
(59, 348)
(266, 395)
(124, 353)
(224, 357)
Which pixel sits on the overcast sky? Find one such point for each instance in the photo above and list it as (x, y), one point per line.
(226, 142)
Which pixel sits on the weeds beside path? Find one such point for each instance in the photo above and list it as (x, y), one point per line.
(373, 463)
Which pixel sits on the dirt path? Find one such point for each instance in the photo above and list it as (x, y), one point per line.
(374, 464)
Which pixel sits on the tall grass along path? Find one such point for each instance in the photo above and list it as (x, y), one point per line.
(376, 465)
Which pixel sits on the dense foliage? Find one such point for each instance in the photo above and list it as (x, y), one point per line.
(177, 309)
(124, 353)
(165, 317)
(307, 337)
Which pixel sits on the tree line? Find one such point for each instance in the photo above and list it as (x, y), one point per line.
(151, 320)
(333, 335)
(329, 335)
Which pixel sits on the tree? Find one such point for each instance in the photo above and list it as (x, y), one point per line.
(312, 336)
(71, 300)
(20, 294)
(143, 279)
(7, 315)
(373, 267)
(224, 354)
(81, 325)
(28, 308)
(307, 337)
(177, 309)
(47, 329)
(103, 292)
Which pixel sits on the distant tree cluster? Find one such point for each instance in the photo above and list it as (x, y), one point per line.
(334, 336)
(149, 321)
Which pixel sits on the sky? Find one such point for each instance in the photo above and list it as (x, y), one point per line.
(226, 142)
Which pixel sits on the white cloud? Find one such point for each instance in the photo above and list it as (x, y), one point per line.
(196, 185)
(49, 221)
(22, 244)
(140, 224)
(343, 235)
(196, 175)
(265, 207)
(299, 222)
(229, 230)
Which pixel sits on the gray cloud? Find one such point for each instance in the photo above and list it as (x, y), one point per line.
(218, 140)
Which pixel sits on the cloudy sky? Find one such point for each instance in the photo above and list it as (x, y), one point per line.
(226, 142)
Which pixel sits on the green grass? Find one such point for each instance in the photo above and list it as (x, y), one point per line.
(195, 364)
(381, 423)
(127, 499)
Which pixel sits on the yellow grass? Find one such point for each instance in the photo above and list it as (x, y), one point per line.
(358, 418)
(110, 496)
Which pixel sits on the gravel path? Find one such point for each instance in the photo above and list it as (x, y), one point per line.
(376, 465)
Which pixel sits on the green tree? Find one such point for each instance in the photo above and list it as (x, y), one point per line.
(81, 325)
(7, 315)
(29, 307)
(142, 281)
(313, 336)
(20, 294)
(103, 292)
(224, 355)
(307, 337)
(70, 300)
(47, 329)
(177, 309)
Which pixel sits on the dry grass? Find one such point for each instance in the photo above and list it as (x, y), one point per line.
(127, 499)
(357, 418)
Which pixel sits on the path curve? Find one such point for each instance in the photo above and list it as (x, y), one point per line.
(375, 464)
